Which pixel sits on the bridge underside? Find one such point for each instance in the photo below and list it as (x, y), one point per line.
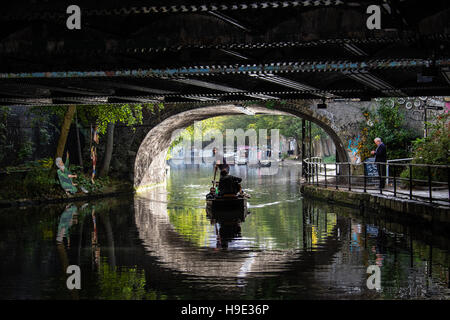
(178, 52)
(150, 165)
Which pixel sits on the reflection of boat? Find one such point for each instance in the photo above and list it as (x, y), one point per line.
(240, 160)
(261, 164)
(227, 208)
(265, 163)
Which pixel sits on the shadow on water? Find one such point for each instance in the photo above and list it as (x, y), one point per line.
(162, 245)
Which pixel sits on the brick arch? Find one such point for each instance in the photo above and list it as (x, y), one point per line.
(149, 165)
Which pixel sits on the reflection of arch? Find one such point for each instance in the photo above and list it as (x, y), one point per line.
(149, 168)
(161, 241)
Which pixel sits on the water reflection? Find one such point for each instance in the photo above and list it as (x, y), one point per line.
(162, 245)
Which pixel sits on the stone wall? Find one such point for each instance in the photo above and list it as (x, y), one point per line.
(409, 209)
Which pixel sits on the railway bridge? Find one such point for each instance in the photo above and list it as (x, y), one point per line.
(203, 60)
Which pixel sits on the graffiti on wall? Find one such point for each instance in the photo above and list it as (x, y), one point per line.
(353, 149)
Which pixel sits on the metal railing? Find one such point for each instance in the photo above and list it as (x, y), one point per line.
(395, 160)
(423, 182)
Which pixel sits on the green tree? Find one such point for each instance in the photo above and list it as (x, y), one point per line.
(387, 123)
(104, 115)
(434, 149)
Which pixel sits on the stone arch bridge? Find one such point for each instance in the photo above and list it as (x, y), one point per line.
(147, 148)
(203, 59)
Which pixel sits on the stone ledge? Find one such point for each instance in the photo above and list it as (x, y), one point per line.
(414, 209)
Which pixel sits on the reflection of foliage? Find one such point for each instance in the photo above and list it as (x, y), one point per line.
(387, 123)
(281, 227)
(121, 285)
(189, 220)
(192, 224)
(278, 226)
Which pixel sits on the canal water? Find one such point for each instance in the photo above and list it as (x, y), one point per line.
(160, 244)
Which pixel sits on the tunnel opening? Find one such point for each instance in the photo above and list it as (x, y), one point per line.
(150, 163)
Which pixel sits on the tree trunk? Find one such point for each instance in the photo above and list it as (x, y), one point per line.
(80, 156)
(326, 152)
(63, 137)
(327, 144)
(108, 152)
(65, 131)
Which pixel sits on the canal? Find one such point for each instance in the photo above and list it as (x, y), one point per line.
(160, 244)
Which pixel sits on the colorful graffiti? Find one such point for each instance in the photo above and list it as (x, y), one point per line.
(353, 148)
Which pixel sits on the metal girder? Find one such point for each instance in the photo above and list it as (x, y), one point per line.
(446, 75)
(219, 87)
(82, 100)
(290, 84)
(182, 9)
(138, 99)
(130, 46)
(76, 90)
(199, 98)
(373, 82)
(305, 66)
(229, 20)
(365, 77)
(208, 85)
(23, 91)
(27, 101)
(133, 87)
(355, 49)
(261, 96)
(234, 54)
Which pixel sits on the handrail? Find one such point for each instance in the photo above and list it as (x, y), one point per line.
(317, 173)
(396, 160)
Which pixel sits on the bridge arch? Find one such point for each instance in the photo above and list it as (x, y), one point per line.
(149, 165)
